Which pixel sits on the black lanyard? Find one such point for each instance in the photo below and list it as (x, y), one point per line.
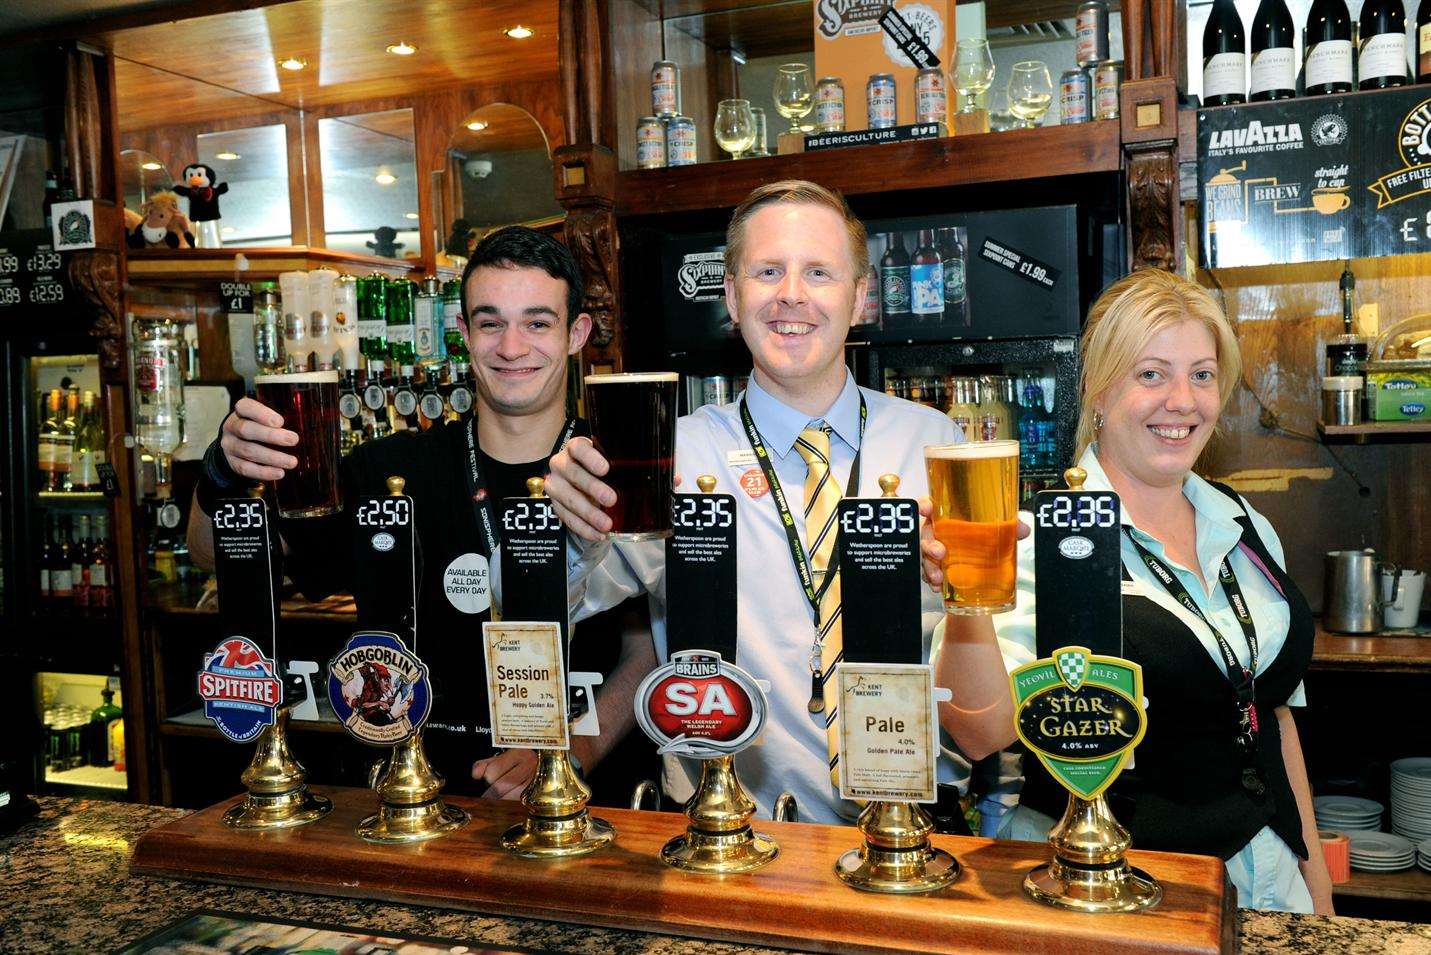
(787, 519)
(482, 504)
(1243, 679)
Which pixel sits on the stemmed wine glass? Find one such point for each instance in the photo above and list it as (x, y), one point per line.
(973, 71)
(794, 97)
(1030, 91)
(734, 126)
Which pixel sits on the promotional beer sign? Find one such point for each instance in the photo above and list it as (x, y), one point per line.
(701, 573)
(889, 742)
(1077, 570)
(385, 571)
(379, 689)
(878, 553)
(240, 689)
(1081, 714)
(526, 685)
(533, 563)
(699, 705)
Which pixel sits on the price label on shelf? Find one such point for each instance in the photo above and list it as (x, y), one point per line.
(32, 274)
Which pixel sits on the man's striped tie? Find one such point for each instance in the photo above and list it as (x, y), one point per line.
(822, 498)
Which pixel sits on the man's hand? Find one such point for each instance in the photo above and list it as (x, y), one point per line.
(577, 491)
(932, 552)
(507, 773)
(250, 437)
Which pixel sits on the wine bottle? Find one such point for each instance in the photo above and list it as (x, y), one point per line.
(1224, 57)
(1274, 70)
(1327, 42)
(1423, 42)
(1381, 61)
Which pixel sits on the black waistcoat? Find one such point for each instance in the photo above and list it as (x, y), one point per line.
(1186, 793)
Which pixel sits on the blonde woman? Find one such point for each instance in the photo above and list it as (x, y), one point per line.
(1220, 771)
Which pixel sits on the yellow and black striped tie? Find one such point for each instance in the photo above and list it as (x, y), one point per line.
(822, 498)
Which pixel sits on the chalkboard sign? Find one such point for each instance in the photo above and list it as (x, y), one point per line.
(1077, 572)
(386, 566)
(878, 551)
(32, 274)
(246, 562)
(533, 564)
(701, 575)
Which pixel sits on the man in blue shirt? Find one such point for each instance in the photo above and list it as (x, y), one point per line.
(796, 263)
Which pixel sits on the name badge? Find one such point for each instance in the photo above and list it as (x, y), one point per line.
(889, 742)
(526, 685)
(740, 459)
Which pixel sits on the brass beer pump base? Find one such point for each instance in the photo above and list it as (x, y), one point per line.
(557, 824)
(896, 857)
(1088, 872)
(719, 840)
(412, 809)
(278, 796)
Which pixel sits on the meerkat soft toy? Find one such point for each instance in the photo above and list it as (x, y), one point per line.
(203, 195)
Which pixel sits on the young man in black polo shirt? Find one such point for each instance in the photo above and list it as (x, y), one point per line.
(522, 320)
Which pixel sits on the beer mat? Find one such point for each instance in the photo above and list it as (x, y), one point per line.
(866, 137)
(1021, 264)
(209, 932)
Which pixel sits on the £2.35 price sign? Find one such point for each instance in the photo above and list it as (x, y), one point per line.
(878, 553)
(1077, 571)
(701, 574)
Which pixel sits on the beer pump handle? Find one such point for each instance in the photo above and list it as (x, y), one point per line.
(396, 485)
(889, 484)
(707, 483)
(536, 487)
(1075, 477)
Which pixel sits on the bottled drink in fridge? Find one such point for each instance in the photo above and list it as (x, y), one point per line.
(1274, 69)
(894, 280)
(62, 589)
(99, 723)
(1381, 61)
(79, 563)
(926, 279)
(1421, 57)
(1327, 42)
(951, 252)
(101, 580)
(65, 443)
(49, 442)
(1224, 56)
(89, 450)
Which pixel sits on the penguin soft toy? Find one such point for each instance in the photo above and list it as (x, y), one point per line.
(203, 195)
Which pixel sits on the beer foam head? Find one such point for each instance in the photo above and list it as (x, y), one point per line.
(632, 378)
(972, 450)
(299, 378)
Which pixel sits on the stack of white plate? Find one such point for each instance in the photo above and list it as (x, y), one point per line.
(1381, 852)
(1347, 813)
(1411, 797)
(1423, 855)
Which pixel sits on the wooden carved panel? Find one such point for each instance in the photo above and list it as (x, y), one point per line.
(590, 233)
(95, 274)
(1152, 206)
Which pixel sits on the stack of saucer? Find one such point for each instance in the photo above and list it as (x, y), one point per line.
(1411, 797)
(1423, 855)
(1381, 852)
(1347, 813)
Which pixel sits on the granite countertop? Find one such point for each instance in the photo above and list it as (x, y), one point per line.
(66, 887)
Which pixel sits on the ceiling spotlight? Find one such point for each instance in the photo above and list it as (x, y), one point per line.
(518, 32)
(477, 126)
(226, 156)
(293, 63)
(385, 179)
(151, 166)
(402, 49)
(228, 230)
(409, 215)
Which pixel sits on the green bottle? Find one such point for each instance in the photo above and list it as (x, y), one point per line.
(97, 733)
(401, 302)
(451, 328)
(372, 319)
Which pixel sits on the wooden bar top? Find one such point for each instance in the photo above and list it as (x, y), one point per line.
(794, 902)
(1396, 651)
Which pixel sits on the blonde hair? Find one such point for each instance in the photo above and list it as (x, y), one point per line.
(1127, 316)
(796, 190)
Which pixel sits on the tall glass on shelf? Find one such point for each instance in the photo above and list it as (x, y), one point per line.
(158, 397)
(794, 96)
(973, 72)
(735, 127)
(1030, 92)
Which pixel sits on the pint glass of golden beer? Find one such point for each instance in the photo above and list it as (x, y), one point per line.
(975, 489)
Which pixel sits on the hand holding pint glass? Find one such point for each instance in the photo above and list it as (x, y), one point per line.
(308, 403)
(633, 422)
(974, 488)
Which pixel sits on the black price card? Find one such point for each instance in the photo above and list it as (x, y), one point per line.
(246, 563)
(700, 575)
(533, 563)
(1077, 572)
(32, 273)
(237, 297)
(386, 566)
(878, 553)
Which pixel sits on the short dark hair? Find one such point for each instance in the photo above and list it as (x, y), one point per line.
(520, 247)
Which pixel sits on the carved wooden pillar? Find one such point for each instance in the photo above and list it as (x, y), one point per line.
(586, 170)
(1148, 113)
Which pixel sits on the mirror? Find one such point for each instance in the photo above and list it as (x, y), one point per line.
(499, 172)
(369, 168)
(254, 164)
(141, 175)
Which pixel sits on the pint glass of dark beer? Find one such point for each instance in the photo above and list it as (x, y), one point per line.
(308, 402)
(975, 490)
(633, 420)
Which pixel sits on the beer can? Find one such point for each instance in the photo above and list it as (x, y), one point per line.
(762, 142)
(1107, 83)
(650, 143)
(1090, 32)
(1074, 96)
(665, 88)
(931, 96)
(680, 141)
(715, 390)
(830, 105)
(881, 104)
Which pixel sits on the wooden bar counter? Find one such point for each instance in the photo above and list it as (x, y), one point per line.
(68, 887)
